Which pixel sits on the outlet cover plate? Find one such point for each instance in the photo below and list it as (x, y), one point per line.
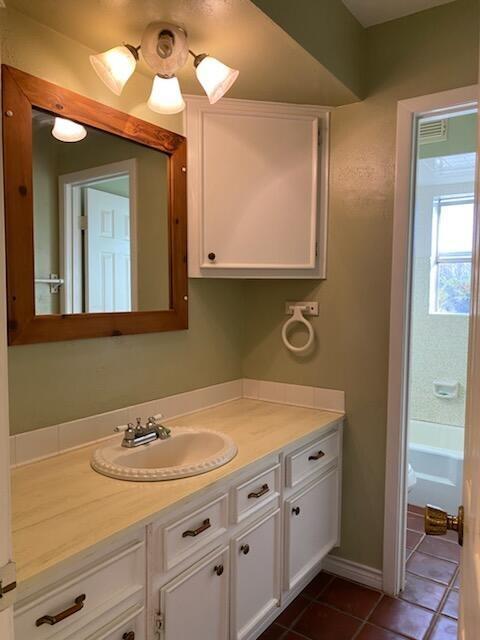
(311, 310)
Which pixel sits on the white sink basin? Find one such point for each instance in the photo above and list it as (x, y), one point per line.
(187, 452)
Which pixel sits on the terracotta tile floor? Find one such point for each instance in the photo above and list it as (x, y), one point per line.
(331, 608)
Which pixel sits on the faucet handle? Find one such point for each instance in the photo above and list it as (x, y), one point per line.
(122, 427)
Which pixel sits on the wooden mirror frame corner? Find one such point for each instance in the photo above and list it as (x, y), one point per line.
(20, 93)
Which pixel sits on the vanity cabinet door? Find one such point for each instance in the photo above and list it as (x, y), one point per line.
(312, 523)
(195, 604)
(255, 575)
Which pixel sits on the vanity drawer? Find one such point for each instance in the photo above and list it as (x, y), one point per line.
(311, 459)
(129, 626)
(74, 604)
(256, 493)
(184, 537)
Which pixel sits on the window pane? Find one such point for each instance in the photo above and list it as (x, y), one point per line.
(455, 228)
(453, 287)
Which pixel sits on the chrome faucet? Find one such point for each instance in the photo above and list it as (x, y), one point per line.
(138, 434)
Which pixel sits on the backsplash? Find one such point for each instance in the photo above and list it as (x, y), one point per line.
(49, 441)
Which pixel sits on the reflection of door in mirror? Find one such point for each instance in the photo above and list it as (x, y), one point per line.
(100, 223)
(98, 256)
(107, 252)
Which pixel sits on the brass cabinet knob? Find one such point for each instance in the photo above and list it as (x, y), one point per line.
(438, 522)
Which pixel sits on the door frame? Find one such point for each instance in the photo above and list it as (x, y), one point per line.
(396, 451)
(6, 550)
(69, 209)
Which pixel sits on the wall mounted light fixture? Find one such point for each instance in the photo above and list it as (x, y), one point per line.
(164, 48)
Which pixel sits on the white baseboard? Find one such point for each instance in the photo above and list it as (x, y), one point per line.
(354, 571)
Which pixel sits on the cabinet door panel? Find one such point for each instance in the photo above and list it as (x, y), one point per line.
(259, 177)
(195, 605)
(255, 575)
(311, 526)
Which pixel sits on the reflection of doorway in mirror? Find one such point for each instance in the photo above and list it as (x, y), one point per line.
(98, 239)
(106, 251)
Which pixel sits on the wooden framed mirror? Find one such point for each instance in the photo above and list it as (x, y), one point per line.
(96, 217)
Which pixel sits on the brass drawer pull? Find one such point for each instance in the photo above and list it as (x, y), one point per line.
(78, 606)
(193, 533)
(317, 456)
(129, 636)
(296, 511)
(218, 569)
(245, 549)
(261, 492)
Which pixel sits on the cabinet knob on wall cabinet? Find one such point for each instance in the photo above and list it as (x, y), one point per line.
(296, 511)
(211, 257)
(218, 569)
(245, 549)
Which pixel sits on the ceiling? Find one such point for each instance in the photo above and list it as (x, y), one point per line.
(370, 12)
(272, 65)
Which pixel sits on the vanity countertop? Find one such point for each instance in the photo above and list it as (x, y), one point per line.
(62, 507)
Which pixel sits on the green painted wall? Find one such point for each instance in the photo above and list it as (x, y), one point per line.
(51, 383)
(328, 31)
(412, 56)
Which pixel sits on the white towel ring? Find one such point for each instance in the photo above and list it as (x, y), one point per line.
(298, 317)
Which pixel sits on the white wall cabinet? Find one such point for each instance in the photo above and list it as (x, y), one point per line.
(255, 575)
(257, 189)
(195, 605)
(221, 566)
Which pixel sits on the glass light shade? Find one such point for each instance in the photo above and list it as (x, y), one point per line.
(166, 96)
(114, 67)
(68, 131)
(215, 77)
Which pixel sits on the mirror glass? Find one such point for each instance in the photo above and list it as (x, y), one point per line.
(100, 221)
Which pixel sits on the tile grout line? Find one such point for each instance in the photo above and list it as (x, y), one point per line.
(436, 614)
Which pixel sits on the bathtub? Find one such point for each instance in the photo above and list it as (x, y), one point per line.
(435, 452)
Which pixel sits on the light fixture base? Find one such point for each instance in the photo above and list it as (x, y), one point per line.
(165, 60)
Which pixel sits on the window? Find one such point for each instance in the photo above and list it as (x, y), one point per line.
(452, 232)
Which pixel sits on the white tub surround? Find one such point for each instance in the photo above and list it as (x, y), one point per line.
(49, 441)
(435, 452)
(247, 536)
(437, 436)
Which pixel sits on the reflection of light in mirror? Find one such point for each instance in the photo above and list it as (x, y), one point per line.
(215, 77)
(68, 131)
(166, 96)
(115, 66)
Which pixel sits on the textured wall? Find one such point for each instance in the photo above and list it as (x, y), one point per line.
(51, 383)
(428, 52)
(328, 31)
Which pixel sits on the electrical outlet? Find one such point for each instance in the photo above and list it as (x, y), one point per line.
(311, 308)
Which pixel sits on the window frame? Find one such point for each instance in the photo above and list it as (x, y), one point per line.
(436, 258)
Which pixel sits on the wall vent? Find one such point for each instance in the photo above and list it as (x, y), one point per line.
(433, 131)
